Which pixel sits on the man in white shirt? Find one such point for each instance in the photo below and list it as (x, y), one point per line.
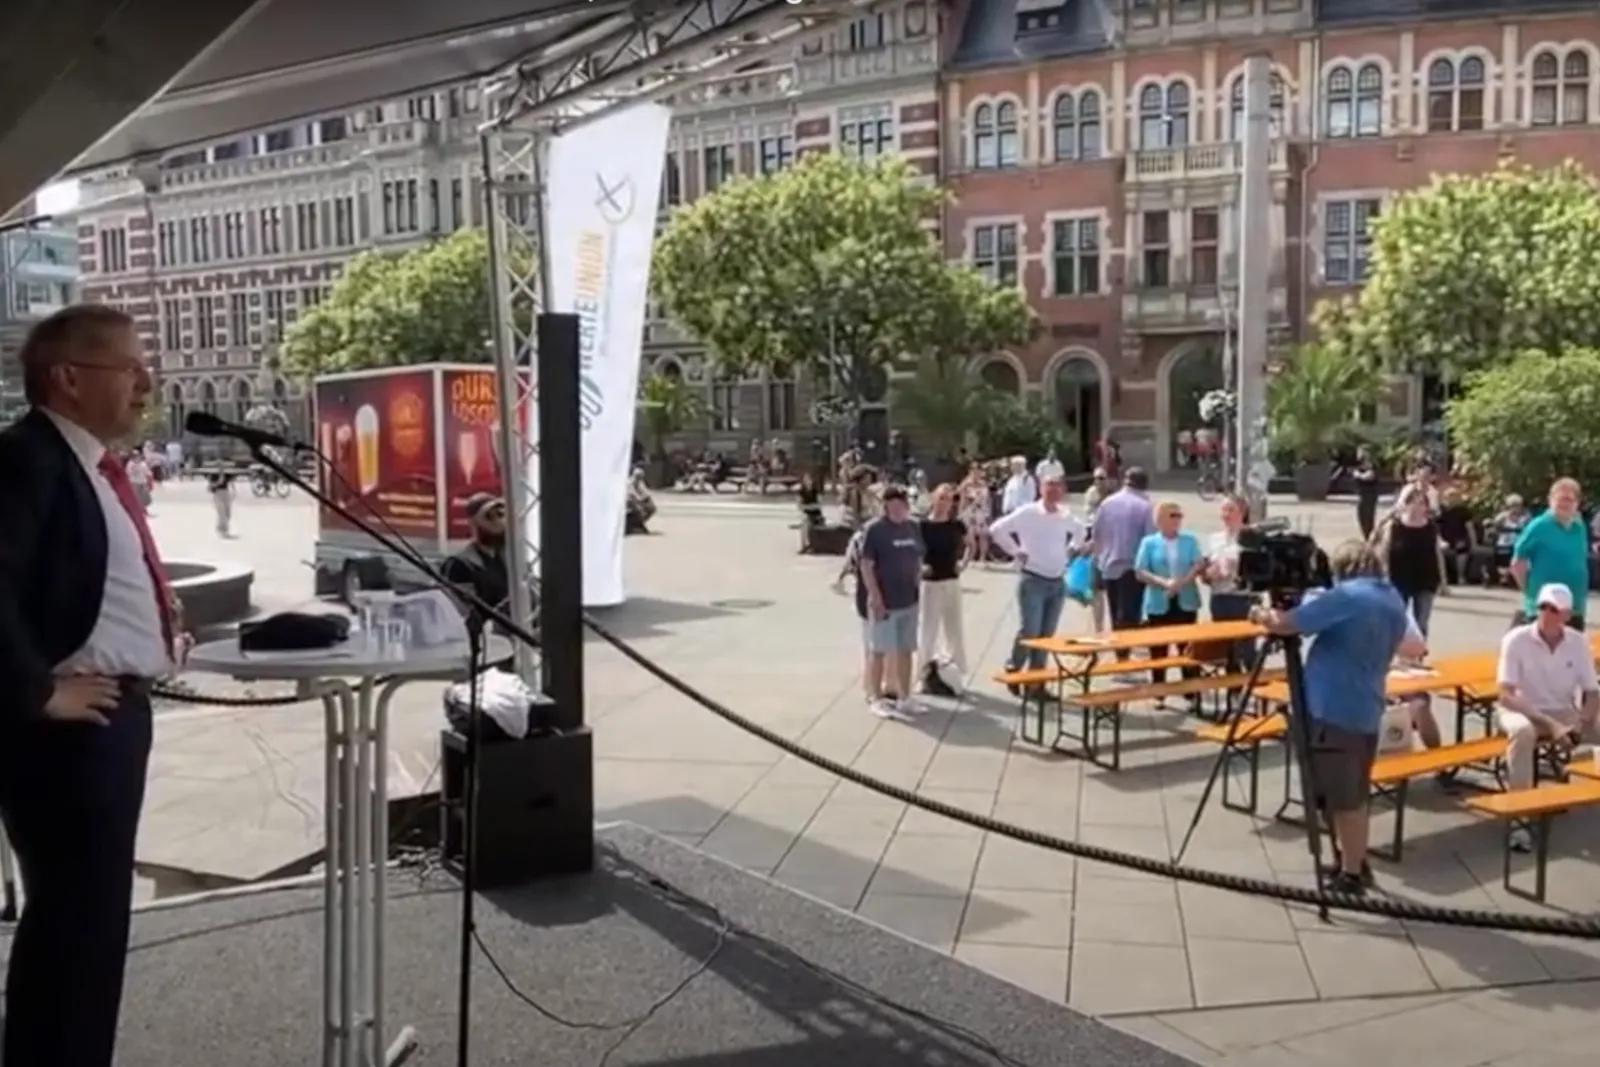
(1042, 537)
(87, 622)
(1547, 689)
(1049, 467)
(1020, 489)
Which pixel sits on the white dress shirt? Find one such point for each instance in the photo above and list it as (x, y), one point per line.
(126, 638)
(1553, 681)
(1042, 534)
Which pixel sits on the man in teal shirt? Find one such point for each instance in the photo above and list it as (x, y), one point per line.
(1554, 548)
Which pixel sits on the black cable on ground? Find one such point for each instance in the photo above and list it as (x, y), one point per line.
(1386, 906)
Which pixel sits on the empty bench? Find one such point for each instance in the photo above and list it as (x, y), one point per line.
(1101, 708)
(1035, 684)
(1536, 810)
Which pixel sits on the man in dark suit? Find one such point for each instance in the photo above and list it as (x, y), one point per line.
(87, 621)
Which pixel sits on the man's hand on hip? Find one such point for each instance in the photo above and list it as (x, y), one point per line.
(82, 698)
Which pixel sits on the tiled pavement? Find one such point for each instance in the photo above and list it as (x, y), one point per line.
(719, 596)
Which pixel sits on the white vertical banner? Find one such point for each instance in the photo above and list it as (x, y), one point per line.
(604, 183)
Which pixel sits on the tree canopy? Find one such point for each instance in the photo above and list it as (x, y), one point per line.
(424, 306)
(1521, 425)
(1314, 396)
(1474, 269)
(827, 266)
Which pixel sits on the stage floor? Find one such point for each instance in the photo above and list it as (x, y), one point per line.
(795, 983)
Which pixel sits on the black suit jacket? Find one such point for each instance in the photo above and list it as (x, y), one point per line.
(52, 562)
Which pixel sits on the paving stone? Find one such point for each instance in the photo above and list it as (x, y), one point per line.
(1039, 970)
(928, 865)
(1006, 863)
(1124, 979)
(1018, 917)
(930, 920)
(1351, 964)
(1248, 972)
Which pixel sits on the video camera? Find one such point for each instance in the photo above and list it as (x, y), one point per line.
(1273, 559)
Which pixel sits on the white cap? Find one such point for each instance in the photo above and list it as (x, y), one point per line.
(1556, 596)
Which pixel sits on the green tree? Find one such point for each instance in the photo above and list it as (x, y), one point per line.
(1476, 268)
(1519, 426)
(1017, 427)
(1312, 398)
(669, 404)
(826, 266)
(945, 400)
(423, 306)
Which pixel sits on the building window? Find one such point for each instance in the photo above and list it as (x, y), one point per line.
(205, 323)
(1188, 10)
(994, 252)
(867, 139)
(238, 320)
(310, 297)
(867, 33)
(278, 141)
(1076, 247)
(113, 250)
(273, 325)
(1164, 116)
(306, 225)
(984, 154)
(344, 229)
(1275, 102)
(719, 166)
(1560, 89)
(411, 224)
(1203, 231)
(1347, 241)
(200, 239)
(331, 130)
(1157, 250)
(725, 406)
(271, 231)
(421, 107)
(171, 324)
(1369, 101)
(1143, 13)
(1077, 125)
(780, 405)
(777, 153)
(166, 244)
(233, 234)
(996, 138)
(1455, 95)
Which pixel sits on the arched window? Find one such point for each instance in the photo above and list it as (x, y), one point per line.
(1369, 101)
(1274, 106)
(1076, 123)
(1164, 116)
(984, 154)
(1089, 125)
(1560, 89)
(1066, 127)
(998, 374)
(208, 398)
(1469, 104)
(175, 410)
(1341, 103)
(1441, 96)
(1010, 139)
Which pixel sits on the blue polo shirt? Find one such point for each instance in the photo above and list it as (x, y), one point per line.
(1555, 553)
(1357, 626)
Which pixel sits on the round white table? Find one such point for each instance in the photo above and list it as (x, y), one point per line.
(355, 685)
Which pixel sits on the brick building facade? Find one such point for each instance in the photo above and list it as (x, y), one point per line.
(1091, 152)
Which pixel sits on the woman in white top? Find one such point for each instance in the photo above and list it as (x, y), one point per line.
(1228, 601)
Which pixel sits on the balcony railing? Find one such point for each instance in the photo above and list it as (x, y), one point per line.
(1191, 307)
(257, 167)
(901, 57)
(1195, 161)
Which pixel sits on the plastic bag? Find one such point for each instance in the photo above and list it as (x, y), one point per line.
(1079, 580)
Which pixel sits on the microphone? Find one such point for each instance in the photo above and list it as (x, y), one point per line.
(204, 424)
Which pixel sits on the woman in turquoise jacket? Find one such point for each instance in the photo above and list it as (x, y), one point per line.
(1169, 563)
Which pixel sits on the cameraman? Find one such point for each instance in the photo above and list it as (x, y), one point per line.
(1360, 624)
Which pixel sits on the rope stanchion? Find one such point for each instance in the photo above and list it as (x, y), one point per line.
(1386, 906)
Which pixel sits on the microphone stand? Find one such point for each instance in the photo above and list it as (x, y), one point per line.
(481, 611)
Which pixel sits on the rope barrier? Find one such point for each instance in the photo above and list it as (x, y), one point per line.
(184, 695)
(1385, 906)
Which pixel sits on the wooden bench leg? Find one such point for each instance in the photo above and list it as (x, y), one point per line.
(1396, 796)
(1250, 754)
(1540, 829)
(1291, 798)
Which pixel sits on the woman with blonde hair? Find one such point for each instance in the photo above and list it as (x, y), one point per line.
(1169, 563)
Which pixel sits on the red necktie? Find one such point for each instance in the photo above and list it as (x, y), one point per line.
(112, 468)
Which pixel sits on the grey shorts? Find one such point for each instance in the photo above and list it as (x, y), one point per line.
(1341, 760)
(897, 633)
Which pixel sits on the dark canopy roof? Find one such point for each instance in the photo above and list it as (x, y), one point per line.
(85, 83)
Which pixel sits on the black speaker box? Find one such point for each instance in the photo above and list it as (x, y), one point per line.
(535, 806)
(826, 540)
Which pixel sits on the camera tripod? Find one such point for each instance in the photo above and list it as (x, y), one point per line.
(1299, 739)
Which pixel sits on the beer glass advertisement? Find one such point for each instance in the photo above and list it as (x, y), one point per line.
(472, 461)
(378, 433)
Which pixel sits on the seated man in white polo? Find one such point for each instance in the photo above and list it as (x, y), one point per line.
(1547, 689)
